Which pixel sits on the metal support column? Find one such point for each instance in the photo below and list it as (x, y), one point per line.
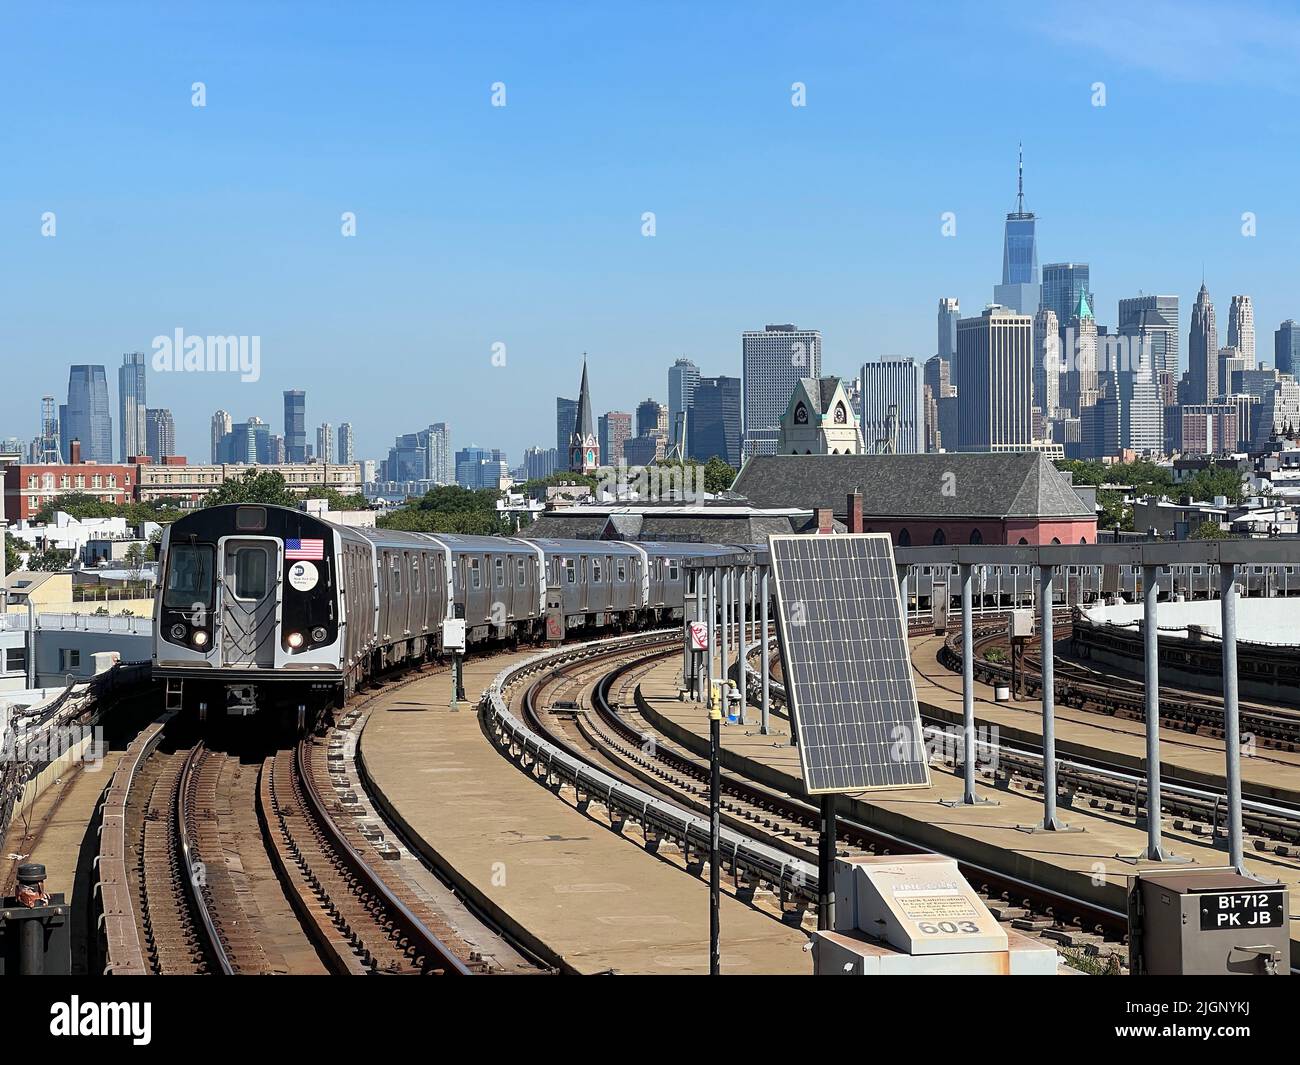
(1047, 642)
(742, 661)
(1231, 722)
(715, 840)
(723, 642)
(712, 634)
(765, 658)
(969, 798)
(901, 571)
(1155, 852)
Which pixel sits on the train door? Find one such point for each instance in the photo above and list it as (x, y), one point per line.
(250, 601)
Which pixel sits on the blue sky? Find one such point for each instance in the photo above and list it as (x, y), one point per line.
(522, 225)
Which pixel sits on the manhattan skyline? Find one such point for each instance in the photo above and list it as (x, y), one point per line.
(522, 225)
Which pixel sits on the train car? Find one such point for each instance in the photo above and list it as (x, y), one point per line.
(498, 586)
(260, 606)
(593, 584)
(667, 575)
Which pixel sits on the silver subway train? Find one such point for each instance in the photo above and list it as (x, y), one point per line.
(267, 608)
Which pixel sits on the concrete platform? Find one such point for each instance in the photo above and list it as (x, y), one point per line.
(1199, 759)
(1085, 864)
(596, 899)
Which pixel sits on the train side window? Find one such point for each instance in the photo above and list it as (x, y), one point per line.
(595, 571)
(570, 571)
(500, 568)
(475, 579)
(674, 574)
(622, 570)
(415, 574)
(520, 578)
(397, 576)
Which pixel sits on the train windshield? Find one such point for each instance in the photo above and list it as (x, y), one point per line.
(189, 576)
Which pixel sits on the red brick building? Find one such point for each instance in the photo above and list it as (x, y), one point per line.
(29, 486)
(924, 500)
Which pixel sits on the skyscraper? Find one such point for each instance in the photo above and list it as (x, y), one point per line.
(1286, 347)
(132, 424)
(1153, 320)
(295, 424)
(566, 410)
(88, 418)
(441, 467)
(995, 381)
(584, 448)
(1019, 289)
(949, 312)
(160, 433)
(615, 431)
(893, 388)
(772, 363)
(715, 430)
(324, 442)
(651, 417)
(683, 376)
(1047, 361)
(1241, 332)
(1202, 352)
(222, 423)
(1063, 286)
(347, 445)
(1079, 383)
(942, 431)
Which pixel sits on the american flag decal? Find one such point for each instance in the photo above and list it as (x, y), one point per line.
(304, 550)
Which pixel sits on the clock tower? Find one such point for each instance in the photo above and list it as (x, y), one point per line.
(584, 446)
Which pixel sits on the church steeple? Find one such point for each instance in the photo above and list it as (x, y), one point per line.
(584, 448)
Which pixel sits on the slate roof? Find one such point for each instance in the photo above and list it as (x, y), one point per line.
(981, 485)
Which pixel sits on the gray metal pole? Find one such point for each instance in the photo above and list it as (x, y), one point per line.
(902, 595)
(765, 660)
(31, 643)
(1151, 663)
(724, 642)
(967, 687)
(1051, 823)
(1231, 733)
(742, 661)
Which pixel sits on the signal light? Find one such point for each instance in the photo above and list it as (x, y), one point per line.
(200, 638)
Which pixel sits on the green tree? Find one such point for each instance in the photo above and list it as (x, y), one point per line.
(337, 500)
(51, 560)
(718, 475)
(450, 509)
(1211, 530)
(267, 487)
(12, 560)
(1213, 481)
(75, 504)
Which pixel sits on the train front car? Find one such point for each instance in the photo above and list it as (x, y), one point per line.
(249, 617)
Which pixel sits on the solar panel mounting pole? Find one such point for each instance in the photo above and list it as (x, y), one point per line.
(726, 625)
(826, 865)
(765, 655)
(1231, 722)
(969, 798)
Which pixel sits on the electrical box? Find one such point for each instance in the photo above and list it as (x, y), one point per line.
(1208, 922)
(1021, 624)
(453, 634)
(939, 605)
(917, 914)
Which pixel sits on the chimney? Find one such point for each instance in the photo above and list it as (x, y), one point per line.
(854, 511)
(825, 521)
(74, 453)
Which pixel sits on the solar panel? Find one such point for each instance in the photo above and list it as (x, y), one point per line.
(848, 674)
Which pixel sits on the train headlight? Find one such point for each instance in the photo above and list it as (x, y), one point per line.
(294, 640)
(178, 632)
(200, 638)
(319, 634)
